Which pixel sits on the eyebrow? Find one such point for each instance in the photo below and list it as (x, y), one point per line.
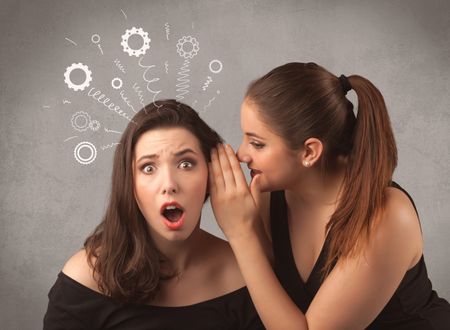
(177, 154)
(254, 135)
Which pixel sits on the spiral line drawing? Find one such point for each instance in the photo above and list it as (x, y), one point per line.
(183, 85)
(167, 27)
(109, 146)
(206, 84)
(148, 67)
(119, 65)
(140, 94)
(126, 100)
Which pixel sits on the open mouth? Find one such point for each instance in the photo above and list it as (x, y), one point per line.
(173, 215)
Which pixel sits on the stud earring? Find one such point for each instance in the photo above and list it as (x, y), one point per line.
(306, 163)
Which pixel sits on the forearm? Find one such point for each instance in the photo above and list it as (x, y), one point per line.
(275, 308)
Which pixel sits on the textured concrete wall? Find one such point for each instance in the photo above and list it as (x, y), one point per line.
(49, 202)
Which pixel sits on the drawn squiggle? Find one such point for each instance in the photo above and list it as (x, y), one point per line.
(166, 66)
(126, 100)
(140, 94)
(71, 41)
(167, 26)
(119, 65)
(183, 85)
(206, 84)
(209, 103)
(109, 146)
(111, 131)
(155, 93)
(72, 137)
(66, 101)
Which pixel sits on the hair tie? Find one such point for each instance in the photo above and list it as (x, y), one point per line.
(345, 84)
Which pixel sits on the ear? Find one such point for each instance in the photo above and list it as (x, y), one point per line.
(311, 152)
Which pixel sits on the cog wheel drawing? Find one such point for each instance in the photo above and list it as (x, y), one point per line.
(85, 160)
(94, 125)
(187, 53)
(145, 45)
(116, 83)
(81, 121)
(87, 80)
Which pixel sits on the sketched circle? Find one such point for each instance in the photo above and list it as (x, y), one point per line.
(94, 125)
(181, 47)
(215, 70)
(81, 121)
(145, 45)
(97, 38)
(77, 153)
(86, 81)
(114, 81)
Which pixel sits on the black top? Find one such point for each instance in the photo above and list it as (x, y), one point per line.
(414, 304)
(74, 306)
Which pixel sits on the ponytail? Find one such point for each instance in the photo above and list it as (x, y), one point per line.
(371, 162)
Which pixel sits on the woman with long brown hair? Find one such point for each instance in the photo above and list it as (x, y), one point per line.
(347, 243)
(148, 265)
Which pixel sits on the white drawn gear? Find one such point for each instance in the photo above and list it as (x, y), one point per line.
(135, 52)
(82, 160)
(113, 83)
(81, 127)
(94, 125)
(187, 54)
(86, 71)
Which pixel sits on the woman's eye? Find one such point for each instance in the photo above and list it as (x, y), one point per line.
(148, 169)
(186, 164)
(257, 145)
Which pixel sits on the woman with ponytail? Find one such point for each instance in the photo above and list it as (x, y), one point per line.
(347, 243)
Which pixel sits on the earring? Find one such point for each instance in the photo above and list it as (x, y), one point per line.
(306, 163)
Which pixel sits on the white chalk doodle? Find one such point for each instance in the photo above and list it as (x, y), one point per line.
(119, 65)
(140, 94)
(150, 81)
(116, 83)
(109, 146)
(127, 101)
(85, 83)
(206, 84)
(145, 42)
(166, 66)
(167, 28)
(111, 131)
(80, 121)
(125, 15)
(96, 41)
(209, 103)
(46, 106)
(70, 138)
(94, 125)
(85, 160)
(188, 47)
(183, 81)
(215, 63)
(66, 101)
(102, 99)
(71, 41)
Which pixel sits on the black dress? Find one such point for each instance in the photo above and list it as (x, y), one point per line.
(74, 306)
(414, 305)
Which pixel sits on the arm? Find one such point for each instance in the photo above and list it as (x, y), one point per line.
(355, 291)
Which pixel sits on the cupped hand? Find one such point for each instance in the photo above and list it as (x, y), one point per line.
(232, 201)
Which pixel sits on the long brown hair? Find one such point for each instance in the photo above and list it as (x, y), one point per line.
(304, 100)
(125, 261)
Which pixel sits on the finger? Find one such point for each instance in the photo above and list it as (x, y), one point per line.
(216, 176)
(235, 166)
(255, 190)
(227, 172)
(211, 181)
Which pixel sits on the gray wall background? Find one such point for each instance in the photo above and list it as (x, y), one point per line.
(49, 202)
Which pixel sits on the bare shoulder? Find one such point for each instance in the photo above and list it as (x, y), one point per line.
(77, 268)
(222, 264)
(399, 229)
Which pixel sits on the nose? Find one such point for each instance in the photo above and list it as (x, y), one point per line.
(169, 184)
(242, 154)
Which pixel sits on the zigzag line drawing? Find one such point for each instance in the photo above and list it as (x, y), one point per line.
(140, 94)
(166, 66)
(183, 85)
(119, 65)
(155, 93)
(109, 146)
(206, 84)
(126, 100)
(167, 26)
